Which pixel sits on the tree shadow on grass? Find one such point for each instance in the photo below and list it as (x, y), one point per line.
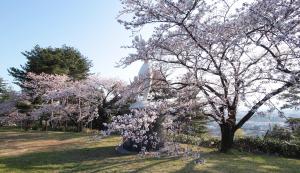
(241, 162)
(137, 165)
(39, 135)
(100, 159)
(188, 167)
(106, 159)
(42, 159)
(155, 162)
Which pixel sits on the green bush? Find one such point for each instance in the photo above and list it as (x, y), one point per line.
(248, 144)
(294, 124)
(279, 133)
(196, 126)
(205, 141)
(60, 129)
(268, 145)
(35, 126)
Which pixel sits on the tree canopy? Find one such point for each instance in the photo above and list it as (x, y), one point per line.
(62, 61)
(78, 102)
(229, 56)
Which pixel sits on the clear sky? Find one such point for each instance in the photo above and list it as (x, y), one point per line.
(88, 25)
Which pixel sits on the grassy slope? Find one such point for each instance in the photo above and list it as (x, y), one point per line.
(74, 152)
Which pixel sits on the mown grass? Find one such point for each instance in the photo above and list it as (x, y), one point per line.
(36, 151)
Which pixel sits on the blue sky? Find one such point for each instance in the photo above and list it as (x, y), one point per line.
(88, 25)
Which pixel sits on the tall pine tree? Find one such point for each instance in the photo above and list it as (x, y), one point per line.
(65, 60)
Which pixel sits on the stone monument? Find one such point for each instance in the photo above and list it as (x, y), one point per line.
(145, 79)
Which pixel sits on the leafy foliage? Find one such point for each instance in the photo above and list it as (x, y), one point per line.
(279, 133)
(248, 144)
(294, 124)
(269, 146)
(196, 126)
(65, 60)
(204, 141)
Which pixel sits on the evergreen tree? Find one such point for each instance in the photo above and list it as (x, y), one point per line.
(64, 60)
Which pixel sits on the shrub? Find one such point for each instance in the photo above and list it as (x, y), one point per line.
(186, 139)
(279, 133)
(267, 145)
(205, 141)
(141, 130)
(35, 126)
(196, 126)
(248, 144)
(294, 124)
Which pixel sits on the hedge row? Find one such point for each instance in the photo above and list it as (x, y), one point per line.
(268, 146)
(248, 144)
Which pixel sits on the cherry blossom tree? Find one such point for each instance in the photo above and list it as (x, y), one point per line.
(37, 88)
(152, 125)
(110, 104)
(7, 108)
(13, 110)
(136, 129)
(292, 98)
(68, 100)
(40, 84)
(220, 55)
(277, 32)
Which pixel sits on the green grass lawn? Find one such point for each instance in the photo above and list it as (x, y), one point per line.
(76, 152)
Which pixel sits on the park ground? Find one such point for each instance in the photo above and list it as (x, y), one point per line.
(36, 151)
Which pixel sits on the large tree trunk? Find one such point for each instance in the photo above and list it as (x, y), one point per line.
(227, 134)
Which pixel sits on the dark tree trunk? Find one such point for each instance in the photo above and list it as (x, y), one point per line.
(79, 127)
(227, 134)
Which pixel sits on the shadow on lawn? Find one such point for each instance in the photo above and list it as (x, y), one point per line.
(80, 160)
(240, 163)
(42, 159)
(106, 159)
(38, 135)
